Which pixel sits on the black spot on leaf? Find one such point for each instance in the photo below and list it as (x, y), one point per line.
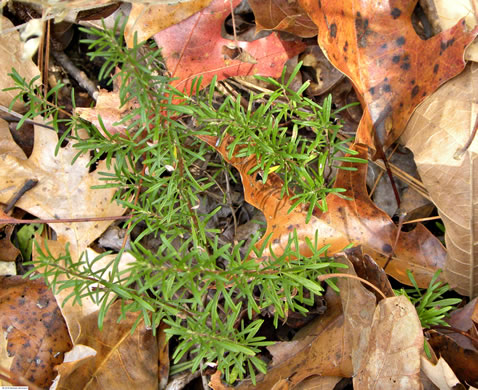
(372, 90)
(387, 88)
(415, 91)
(346, 46)
(395, 13)
(435, 68)
(333, 30)
(387, 248)
(446, 45)
(396, 59)
(400, 41)
(362, 30)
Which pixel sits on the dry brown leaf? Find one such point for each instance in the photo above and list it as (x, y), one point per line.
(392, 360)
(439, 127)
(357, 222)
(440, 374)
(8, 251)
(149, 19)
(34, 327)
(63, 190)
(123, 360)
(11, 50)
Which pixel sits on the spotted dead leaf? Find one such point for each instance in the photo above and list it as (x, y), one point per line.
(391, 67)
(34, 328)
(357, 221)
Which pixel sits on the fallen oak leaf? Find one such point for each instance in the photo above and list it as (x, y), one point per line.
(391, 67)
(357, 222)
(195, 48)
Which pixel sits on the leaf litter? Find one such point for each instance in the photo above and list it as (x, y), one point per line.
(356, 337)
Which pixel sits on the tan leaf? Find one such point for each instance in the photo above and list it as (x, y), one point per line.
(63, 190)
(123, 360)
(11, 50)
(35, 329)
(149, 19)
(392, 360)
(440, 374)
(437, 130)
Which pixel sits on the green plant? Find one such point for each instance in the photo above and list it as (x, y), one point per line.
(211, 293)
(430, 304)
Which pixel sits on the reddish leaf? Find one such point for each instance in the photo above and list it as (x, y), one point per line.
(34, 327)
(392, 69)
(195, 48)
(283, 15)
(357, 222)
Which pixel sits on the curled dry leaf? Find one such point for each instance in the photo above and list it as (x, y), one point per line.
(282, 15)
(148, 19)
(196, 48)
(34, 328)
(392, 360)
(391, 67)
(439, 128)
(123, 360)
(357, 221)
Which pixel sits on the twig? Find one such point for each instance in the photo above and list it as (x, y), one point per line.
(401, 218)
(29, 184)
(16, 117)
(77, 74)
(16, 221)
(423, 219)
(321, 278)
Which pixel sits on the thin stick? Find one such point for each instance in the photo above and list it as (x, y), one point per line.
(423, 219)
(16, 221)
(321, 278)
(29, 184)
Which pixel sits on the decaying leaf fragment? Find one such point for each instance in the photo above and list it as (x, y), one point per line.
(391, 67)
(439, 128)
(357, 222)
